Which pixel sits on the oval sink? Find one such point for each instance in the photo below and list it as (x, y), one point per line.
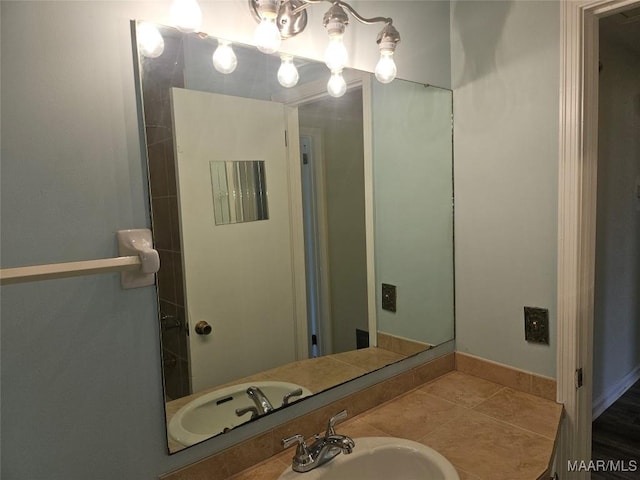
(382, 458)
(215, 412)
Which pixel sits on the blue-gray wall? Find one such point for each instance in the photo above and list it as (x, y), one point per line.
(81, 382)
(505, 74)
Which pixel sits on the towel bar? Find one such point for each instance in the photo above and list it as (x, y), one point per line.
(138, 263)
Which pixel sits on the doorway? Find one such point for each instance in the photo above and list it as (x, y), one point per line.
(616, 334)
(334, 211)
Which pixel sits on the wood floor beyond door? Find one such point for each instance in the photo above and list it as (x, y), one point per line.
(616, 436)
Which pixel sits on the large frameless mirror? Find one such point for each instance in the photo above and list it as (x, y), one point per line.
(351, 193)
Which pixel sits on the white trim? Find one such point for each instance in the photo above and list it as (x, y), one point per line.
(604, 9)
(578, 131)
(367, 139)
(322, 236)
(612, 394)
(297, 236)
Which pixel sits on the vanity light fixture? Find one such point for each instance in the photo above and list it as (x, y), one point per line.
(336, 21)
(186, 15)
(290, 18)
(388, 40)
(282, 19)
(267, 36)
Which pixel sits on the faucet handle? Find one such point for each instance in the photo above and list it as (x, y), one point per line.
(242, 411)
(302, 458)
(287, 398)
(333, 421)
(297, 438)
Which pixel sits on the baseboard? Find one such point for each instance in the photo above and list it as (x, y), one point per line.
(609, 397)
(506, 375)
(401, 345)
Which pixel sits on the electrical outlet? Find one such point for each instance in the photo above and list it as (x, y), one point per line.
(536, 325)
(388, 297)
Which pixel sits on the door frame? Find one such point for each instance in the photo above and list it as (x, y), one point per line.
(320, 221)
(577, 181)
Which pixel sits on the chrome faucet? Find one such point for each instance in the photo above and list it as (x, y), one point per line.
(322, 450)
(259, 398)
(262, 404)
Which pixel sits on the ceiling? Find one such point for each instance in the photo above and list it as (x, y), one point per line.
(624, 28)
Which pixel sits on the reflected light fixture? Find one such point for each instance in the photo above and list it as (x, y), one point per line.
(150, 42)
(224, 58)
(186, 15)
(287, 73)
(336, 86)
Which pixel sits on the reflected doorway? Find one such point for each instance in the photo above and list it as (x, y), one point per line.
(333, 191)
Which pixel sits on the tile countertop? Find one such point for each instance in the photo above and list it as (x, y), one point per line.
(487, 431)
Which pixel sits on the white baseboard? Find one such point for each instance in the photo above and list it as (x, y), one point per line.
(608, 398)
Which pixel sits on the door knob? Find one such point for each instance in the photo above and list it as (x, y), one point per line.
(203, 328)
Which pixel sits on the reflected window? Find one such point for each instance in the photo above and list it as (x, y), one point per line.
(239, 191)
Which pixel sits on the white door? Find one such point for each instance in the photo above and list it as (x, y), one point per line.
(238, 277)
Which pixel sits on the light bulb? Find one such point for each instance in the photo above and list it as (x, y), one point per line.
(386, 68)
(267, 36)
(288, 73)
(224, 58)
(150, 42)
(336, 86)
(186, 15)
(336, 56)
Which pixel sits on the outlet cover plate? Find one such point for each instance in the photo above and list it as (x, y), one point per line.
(536, 325)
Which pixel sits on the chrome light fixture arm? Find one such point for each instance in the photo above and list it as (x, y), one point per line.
(295, 17)
(360, 18)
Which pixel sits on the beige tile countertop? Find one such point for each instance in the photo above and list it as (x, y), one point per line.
(486, 430)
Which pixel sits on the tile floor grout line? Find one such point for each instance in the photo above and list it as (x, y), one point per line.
(513, 425)
(490, 397)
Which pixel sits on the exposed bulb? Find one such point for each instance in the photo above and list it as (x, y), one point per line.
(267, 36)
(186, 15)
(336, 86)
(386, 68)
(288, 73)
(224, 58)
(150, 42)
(336, 56)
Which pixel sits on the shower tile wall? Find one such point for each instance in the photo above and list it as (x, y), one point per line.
(164, 206)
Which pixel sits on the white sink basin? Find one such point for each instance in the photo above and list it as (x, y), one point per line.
(215, 412)
(382, 458)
